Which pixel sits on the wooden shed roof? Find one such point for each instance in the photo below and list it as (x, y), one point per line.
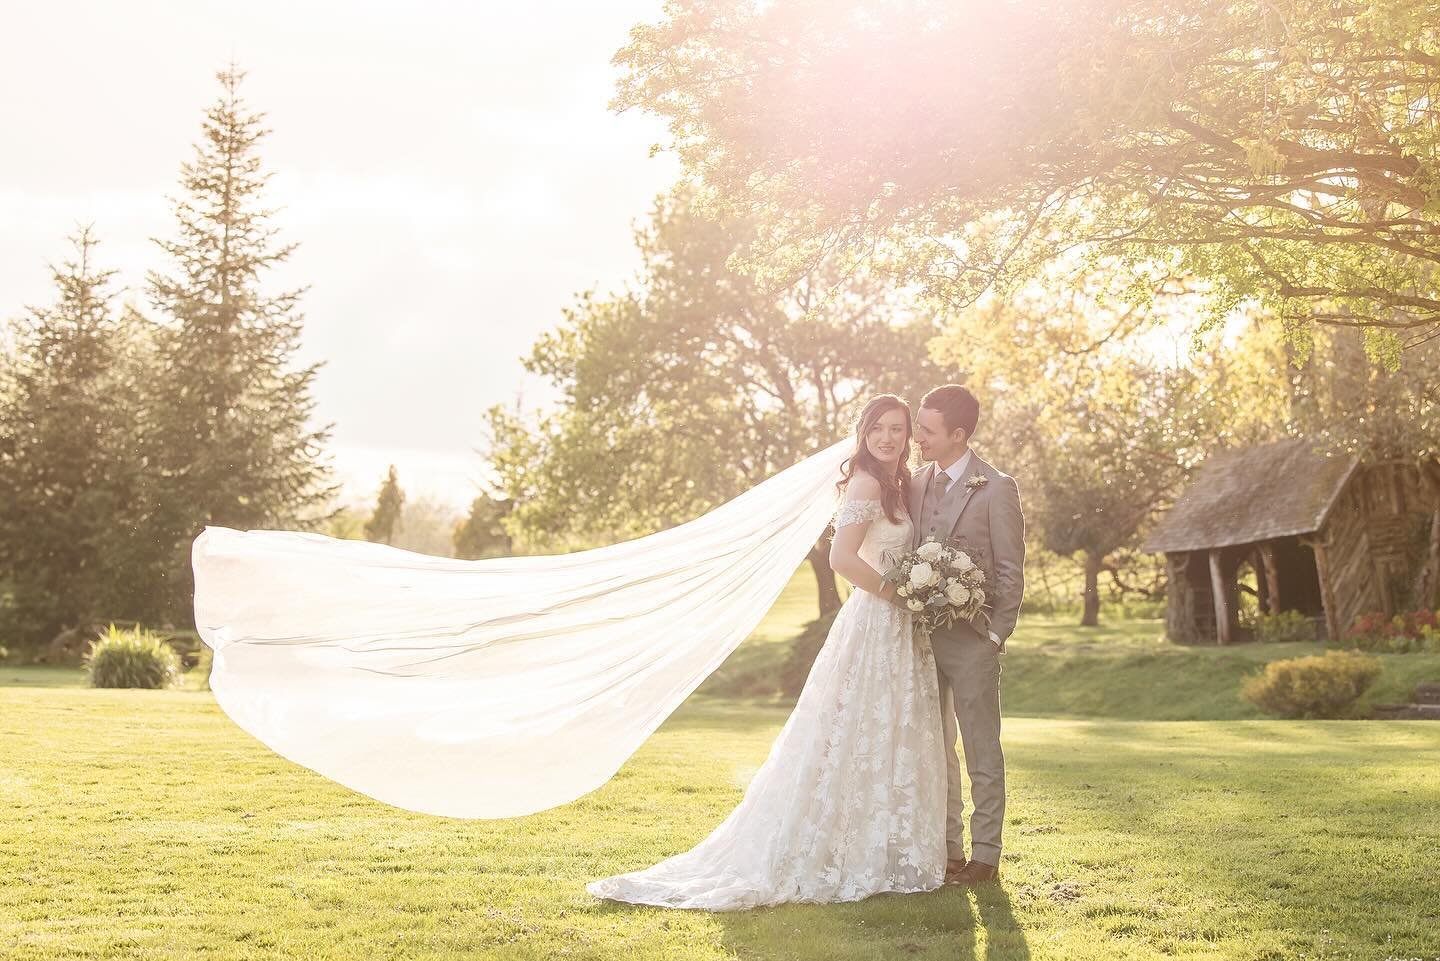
(1251, 494)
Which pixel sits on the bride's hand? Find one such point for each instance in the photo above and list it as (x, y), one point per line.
(887, 593)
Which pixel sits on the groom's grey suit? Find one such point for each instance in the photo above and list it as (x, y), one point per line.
(986, 521)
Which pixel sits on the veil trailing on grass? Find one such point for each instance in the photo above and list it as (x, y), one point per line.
(491, 688)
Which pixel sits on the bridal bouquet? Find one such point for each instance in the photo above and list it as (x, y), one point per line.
(939, 584)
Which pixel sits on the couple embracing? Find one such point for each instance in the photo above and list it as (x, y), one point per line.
(862, 793)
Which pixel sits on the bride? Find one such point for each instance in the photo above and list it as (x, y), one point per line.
(501, 687)
(851, 800)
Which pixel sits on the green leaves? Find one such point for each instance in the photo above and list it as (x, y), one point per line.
(697, 382)
(973, 144)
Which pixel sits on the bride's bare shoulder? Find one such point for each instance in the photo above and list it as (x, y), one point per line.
(862, 486)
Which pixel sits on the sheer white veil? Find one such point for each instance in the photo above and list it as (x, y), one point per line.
(492, 688)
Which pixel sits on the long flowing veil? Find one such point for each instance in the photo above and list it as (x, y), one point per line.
(491, 688)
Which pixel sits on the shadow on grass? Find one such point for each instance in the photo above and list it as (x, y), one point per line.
(954, 924)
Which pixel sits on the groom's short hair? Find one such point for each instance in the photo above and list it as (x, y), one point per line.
(957, 405)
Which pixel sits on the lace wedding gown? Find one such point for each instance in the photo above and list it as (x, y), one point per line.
(851, 800)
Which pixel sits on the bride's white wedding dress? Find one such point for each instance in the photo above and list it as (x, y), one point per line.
(851, 800)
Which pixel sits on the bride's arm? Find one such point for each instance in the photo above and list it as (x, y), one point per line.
(850, 533)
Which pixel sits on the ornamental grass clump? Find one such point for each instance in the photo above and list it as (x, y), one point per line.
(132, 657)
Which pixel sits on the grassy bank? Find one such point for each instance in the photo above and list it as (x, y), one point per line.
(1123, 669)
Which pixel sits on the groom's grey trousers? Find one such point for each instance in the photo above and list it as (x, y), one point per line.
(969, 669)
(983, 517)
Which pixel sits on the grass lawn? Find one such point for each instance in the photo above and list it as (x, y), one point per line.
(1150, 816)
(138, 824)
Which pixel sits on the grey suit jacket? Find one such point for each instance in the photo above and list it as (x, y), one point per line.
(986, 522)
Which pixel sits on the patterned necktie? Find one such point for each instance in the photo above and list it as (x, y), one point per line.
(942, 483)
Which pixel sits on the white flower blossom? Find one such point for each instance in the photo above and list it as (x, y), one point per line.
(929, 551)
(921, 574)
(958, 594)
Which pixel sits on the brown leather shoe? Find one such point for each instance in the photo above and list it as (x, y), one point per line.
(953, 869)
(976, 872)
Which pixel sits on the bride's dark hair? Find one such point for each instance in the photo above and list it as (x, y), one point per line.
(893, 484)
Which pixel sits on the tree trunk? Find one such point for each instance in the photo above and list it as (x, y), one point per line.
(825, 585)
(1091, 615)
(1272, 578)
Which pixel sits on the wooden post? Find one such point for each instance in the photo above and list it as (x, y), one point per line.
(1327, 596)
(1221, 597)
(1272, 577)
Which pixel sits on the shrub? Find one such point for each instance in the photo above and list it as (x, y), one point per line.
(1305, 687)
(1407, 633)
(1284, 627)
(803, 651)
(203, 666)
(132, 657)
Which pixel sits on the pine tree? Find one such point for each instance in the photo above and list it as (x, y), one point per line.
(383, 524)
(231, 445)
(71, 475)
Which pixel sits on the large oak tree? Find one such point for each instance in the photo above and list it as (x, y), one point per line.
(1280, 151)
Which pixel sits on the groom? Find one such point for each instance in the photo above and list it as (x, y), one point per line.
(961, 500)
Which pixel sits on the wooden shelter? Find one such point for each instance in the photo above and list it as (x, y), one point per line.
(1325, 536)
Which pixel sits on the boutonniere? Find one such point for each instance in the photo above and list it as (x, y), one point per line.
(976, 481)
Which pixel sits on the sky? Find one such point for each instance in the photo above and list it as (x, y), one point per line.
(451, 171)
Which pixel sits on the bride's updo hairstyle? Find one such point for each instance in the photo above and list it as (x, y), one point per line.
(893, 485)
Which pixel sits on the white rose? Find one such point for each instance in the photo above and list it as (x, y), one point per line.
(957, 594)
(915, 605)
(920, 575)
(929, 551)
(979, 576)
(963, 562)
(903, 590)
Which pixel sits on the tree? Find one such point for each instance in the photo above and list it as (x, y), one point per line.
(229, 441)
(1279, 152)
(482, 533)
(1101, 431)
(698, 384)
(389, 503)
(428, 526)
(71, 478)
(1381, 416)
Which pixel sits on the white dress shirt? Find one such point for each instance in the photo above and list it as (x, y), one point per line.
(956, 471)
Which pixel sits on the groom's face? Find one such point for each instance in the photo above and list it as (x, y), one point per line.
(936, 443)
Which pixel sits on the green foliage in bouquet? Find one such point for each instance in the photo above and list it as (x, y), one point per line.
(940, 583)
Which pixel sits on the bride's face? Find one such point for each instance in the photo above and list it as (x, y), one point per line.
(886, 437)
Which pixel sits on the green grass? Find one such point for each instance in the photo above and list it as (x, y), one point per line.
(143, 824)
(1127, 670)
(1123, 669)
(754, 668)
(1148, 818)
